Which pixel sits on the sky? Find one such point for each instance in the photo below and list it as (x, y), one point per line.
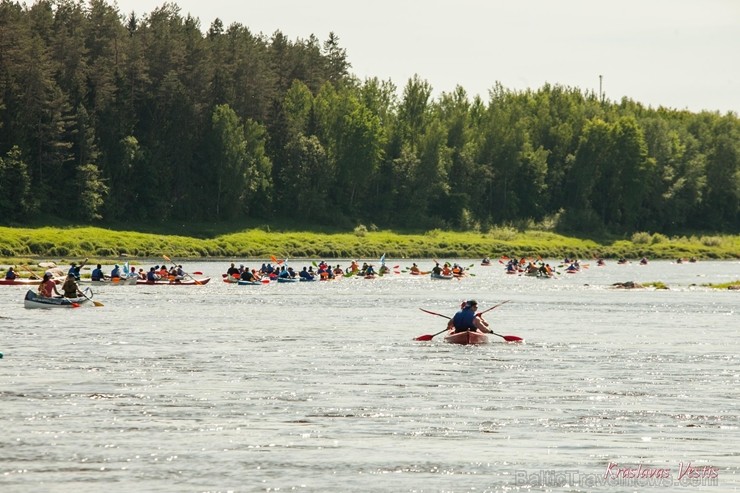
(681, 54)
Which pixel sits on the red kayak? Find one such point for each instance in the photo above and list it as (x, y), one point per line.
(23, 282)
(176, 282)
(468, 337)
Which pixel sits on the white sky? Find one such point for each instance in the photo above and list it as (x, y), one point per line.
(682, 54)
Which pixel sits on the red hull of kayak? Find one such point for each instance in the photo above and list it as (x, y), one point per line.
(468, 337)
(165, 282)
(23, 282)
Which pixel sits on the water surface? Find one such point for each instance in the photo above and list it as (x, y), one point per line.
(321, 387)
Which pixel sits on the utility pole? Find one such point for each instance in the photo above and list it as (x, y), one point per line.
(601, 93)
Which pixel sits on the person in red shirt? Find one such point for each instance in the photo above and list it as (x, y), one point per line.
(48, 287)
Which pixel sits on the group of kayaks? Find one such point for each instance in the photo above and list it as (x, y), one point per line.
(116, 281)
(241, 282)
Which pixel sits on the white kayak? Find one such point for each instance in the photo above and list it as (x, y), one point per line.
(34, 300)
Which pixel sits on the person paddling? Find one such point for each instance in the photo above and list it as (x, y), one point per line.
(466, 319)
(74, 269)
(70, 288)
(48, 287)
(97, 274)
(247, 275)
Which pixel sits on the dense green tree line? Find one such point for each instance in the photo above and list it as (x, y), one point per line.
(106, 116)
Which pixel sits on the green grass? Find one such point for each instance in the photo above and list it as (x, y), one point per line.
(229, 241)
(725, 285)
(656, 285)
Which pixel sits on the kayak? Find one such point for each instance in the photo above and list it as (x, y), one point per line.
(23, 282)
(286, 279)
(33, 300)
(250, 283)
(441, 276)
(117, 281)
(468, 337)
(176, 282)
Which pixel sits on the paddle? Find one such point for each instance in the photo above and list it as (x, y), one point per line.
(33, 274)
(191, 277)
(428, 337)
(96, 303)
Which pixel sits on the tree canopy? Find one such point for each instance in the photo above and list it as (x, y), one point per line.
(106, 116)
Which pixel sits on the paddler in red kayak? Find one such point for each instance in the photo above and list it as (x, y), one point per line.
(467, 320)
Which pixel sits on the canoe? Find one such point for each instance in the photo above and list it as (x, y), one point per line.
(468, 337)
(119, 281)
(22, 282)
(176, 282)
(33, 300)
(441, 276)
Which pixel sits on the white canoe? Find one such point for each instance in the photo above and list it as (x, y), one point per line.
(34, 300)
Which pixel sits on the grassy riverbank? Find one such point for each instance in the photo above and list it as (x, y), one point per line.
(61, 243)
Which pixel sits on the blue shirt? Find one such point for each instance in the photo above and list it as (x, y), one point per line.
(463, 320)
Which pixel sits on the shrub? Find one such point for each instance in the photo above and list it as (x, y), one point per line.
(504, 233)
(361, 231)
(711, 241)
(641, 238)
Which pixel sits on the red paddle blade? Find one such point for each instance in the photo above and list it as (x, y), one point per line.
(75, 305)
(513, 339)
(425, 337)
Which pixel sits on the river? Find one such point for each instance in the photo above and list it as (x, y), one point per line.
(321, 386)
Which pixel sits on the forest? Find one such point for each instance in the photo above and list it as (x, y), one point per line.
(109, 117)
